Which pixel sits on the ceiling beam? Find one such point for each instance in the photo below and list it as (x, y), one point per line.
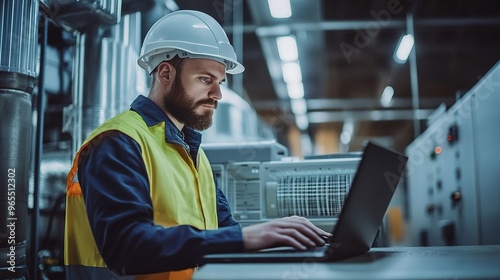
(368, 115)
(354, 103)
(277, 30)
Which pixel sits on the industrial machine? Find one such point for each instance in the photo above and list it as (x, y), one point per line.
(270, 185)
(453, 171)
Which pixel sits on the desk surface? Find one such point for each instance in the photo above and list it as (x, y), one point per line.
(450, 263)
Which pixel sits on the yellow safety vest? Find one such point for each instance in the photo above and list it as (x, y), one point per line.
(180, 193)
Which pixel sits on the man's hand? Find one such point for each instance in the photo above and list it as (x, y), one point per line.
(294, 231)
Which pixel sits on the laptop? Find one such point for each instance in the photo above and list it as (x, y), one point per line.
(371, 191)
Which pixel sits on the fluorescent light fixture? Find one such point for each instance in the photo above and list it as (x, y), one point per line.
(295, 90)
(306, 144)
(387, 95)
(287, 48)
(291, 72)
(404, 48)
(299, 106)
(302, 121)
(171, 5)
(348, 126)
(280, 8)
(347, 131)
(345, 138)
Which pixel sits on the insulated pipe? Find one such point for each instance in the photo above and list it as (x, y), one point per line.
(18, 42)
(110, 61)
(15, 136)
(40, 120)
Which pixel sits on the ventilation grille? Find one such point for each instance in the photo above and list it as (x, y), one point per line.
(312, 195)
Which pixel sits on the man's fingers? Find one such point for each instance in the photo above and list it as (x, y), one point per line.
(306, 228)
(298, 236)
(294, 231)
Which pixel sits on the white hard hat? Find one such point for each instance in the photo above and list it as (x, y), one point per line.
(190, 34)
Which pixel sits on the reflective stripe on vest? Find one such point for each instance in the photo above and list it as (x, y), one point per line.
(190, 197)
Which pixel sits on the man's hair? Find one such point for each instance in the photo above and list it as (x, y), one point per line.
(176, 62)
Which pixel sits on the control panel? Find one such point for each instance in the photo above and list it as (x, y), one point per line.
(452, 181)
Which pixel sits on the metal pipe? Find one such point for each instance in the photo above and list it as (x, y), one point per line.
(18, 42)
(237, 80)
(110, 54)
(413, 72)
(40, 117)
(107, 53)
(74, 112)
(15, 136)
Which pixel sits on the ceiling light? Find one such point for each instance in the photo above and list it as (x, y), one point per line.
(280, 8)
(295, 90)
(299, 106)
(291, 72)
(302, 121)
(345, 138)
(287, 48)
(404, 48)
(347, 132)
(348, 126)
(171, 5)
(306, 144)
(387, 95)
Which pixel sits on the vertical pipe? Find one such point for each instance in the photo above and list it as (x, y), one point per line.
(76, 112)
(40, 117)
(238, 44)
(413, 73)
(91, 105)
(18, 42)
(106, 53)
(15, 136)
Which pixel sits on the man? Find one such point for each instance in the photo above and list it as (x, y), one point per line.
(141, 199)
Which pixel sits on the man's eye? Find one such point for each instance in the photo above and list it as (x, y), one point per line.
(205, 79)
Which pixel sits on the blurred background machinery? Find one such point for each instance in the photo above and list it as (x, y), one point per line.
(261, 182)
(453, 178)
(315, 189)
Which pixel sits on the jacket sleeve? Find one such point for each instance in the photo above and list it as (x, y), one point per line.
(116, 191)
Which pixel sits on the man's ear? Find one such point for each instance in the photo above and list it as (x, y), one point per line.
(165, 73)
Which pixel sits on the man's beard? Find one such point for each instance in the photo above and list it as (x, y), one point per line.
(183, 108)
